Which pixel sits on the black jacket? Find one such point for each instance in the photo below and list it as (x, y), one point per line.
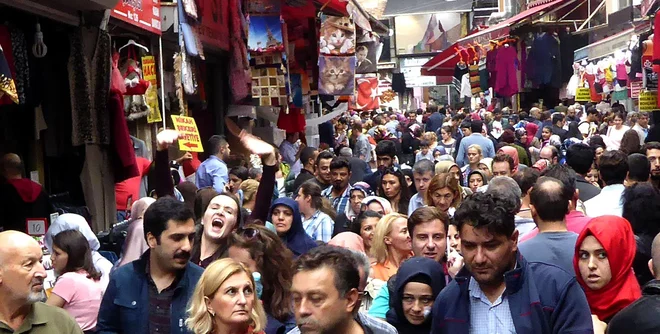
(640, 316)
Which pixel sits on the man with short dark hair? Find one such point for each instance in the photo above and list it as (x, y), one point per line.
(639, 169)
(428, 228)
(308, 160)
(325, 294)
(652, 151)
(502, 165)
(549, 203)
(339, 193)
(385, 154)
(22, 290)
(558, 121)
(497, 283)
(588, 127)
(580, 157)
(435, 120)
(641, 317)
(213, 171)
(613, 170)
(151, 294)
(477, 138)
(322, 169)
(423, 172)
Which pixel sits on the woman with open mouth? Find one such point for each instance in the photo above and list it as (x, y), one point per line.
(604, 254)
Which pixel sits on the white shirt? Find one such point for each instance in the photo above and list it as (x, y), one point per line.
(608, 202)
(614, 136)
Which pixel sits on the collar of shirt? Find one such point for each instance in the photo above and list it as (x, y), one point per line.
(476, 292)
(328, 192)
(215, 157)
(613, 189)
(313, 217)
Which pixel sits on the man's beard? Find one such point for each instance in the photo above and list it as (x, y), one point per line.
(34, 297)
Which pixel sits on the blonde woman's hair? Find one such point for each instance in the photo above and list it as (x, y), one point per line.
(384, 227)
(249, 188)
(474, 146)
(199, 319)
(430, 136)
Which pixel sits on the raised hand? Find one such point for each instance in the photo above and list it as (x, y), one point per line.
(166, 138)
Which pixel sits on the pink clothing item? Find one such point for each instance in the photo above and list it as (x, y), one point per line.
(575, 222)
(531, 131)
(82, 297)
(506, 84)
(348, 240)
(513, 153)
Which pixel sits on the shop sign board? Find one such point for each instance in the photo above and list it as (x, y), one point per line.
(149, 74)
(214, 28)
(648, 100)
(412, 71)
(582, 95)
(635, 88)
(144, 14)
(190, 141)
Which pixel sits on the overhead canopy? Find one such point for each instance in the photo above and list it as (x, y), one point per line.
(608, 46)
(411, 7)
(503, 28)
(442, 65)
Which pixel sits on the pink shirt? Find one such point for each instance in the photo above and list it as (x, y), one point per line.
(82, 297)
(575, 222)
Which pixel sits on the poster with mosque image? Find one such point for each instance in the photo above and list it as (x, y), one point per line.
(265, 34)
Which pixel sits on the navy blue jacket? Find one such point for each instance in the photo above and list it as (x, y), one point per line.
(125, 305)
(296, 239)
(435, 121)
(543, 299)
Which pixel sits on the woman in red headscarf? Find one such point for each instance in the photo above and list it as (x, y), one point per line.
(513, 153)
(604, 254)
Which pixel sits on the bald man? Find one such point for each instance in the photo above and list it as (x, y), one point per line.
(642, 315)
(21, 198)
(21, 290)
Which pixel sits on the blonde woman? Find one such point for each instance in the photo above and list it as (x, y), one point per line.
(249, 188)
(391, 245)
(225, 301)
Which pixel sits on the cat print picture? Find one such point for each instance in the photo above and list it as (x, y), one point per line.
(337, 36)
(336, 75)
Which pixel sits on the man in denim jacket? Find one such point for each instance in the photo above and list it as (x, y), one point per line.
(150, 295)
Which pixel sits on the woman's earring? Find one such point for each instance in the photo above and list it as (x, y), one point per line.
(211, 313)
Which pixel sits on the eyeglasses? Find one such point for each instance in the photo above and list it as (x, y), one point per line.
(249, 233)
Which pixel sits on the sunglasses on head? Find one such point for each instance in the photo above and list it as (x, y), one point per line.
(249, 233)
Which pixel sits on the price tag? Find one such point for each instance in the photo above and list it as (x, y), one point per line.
(582, 95)
(36, 226)
(53, 217)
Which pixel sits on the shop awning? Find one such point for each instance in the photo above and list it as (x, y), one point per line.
(413, 7)
(503, 28)
(608, 46)
(442, 65)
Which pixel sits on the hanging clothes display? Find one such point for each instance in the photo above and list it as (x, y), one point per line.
(483, 75)
(506, 63)
(89, 80)
(590, 78)
(573, 82)
(544, 67)
(460, 70)
(475, 81)
(491, 60)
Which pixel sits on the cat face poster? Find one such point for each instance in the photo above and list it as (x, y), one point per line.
(336, 75)
(365, 55)
(337, 36)
(265, 34)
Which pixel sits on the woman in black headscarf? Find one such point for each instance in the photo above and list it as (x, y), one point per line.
(418, 281)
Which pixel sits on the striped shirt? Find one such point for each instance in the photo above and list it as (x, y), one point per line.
(319, 226)
(340, 202)
(487, 317)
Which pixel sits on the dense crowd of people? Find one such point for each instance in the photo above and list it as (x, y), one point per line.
(427, 221)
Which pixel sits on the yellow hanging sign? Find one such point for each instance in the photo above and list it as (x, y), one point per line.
(582, 95)
(151, 96)
(648, 101)
(190, 141)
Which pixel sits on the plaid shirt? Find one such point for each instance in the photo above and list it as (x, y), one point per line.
(339, 203)
(319, 226)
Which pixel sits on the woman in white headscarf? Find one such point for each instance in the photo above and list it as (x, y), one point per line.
(135, 245)
(72, 221)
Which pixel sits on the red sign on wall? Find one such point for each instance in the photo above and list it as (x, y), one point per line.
(144, 14)
(214, 29)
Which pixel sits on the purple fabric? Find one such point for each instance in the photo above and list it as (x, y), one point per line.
(506, 83)
(491, 62)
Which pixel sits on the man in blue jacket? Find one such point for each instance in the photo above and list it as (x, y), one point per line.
(498, 291)
(150, 295)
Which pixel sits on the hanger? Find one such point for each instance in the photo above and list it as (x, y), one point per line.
(132, 42)
(460, 55)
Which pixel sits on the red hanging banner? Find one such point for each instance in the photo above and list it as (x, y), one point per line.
(144, 14)
(214, 29)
